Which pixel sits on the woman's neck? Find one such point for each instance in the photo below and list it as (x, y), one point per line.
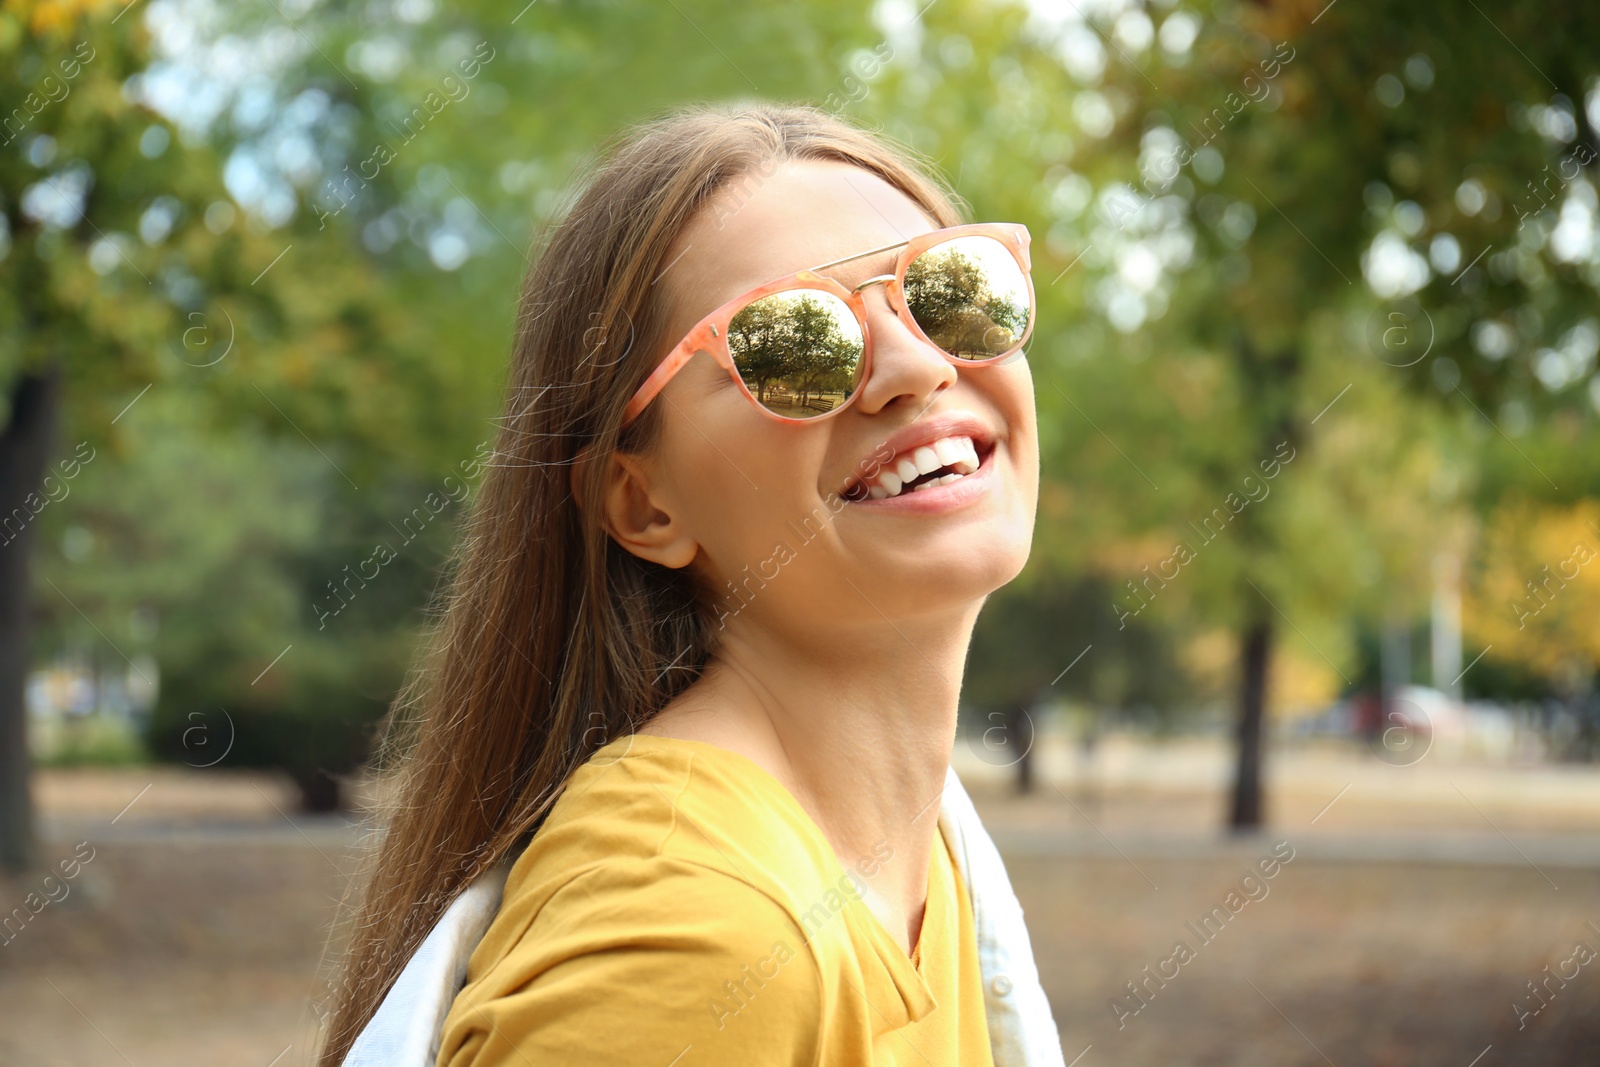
(857, 724)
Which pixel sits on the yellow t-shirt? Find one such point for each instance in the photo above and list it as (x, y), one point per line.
(679, 907)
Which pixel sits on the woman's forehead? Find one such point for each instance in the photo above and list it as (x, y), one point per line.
(796, 215)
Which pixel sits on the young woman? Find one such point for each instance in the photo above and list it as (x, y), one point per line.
(769, 444)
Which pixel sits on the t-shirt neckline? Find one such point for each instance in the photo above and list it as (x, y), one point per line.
(886, 944)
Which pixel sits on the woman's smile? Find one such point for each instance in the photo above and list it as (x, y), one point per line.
(935, 465)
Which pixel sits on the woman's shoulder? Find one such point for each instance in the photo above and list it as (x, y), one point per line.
(634, 902)
(656, 833)
(686, 954)
(648, 883)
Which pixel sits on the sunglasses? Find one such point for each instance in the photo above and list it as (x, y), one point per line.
(799, 347)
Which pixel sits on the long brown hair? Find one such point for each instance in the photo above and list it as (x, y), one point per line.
(552, 640)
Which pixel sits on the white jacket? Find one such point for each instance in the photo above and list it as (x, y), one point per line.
(406, 1029)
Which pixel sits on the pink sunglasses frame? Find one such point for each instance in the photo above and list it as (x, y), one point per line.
(710, 334)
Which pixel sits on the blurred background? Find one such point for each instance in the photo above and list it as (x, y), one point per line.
(1317, 566)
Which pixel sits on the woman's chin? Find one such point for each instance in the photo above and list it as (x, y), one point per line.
(983, 555)
(931, 579)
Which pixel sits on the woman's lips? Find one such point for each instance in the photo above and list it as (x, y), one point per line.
(959, 433)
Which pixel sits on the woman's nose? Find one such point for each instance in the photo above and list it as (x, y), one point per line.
(903, 364)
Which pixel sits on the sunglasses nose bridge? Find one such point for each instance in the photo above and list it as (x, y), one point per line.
(873, 281)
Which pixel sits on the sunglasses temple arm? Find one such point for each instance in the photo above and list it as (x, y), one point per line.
(657, 381)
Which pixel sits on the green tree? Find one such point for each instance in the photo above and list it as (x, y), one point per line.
(822, 357)
(1368, 170)
(759, 345)
(125, 268)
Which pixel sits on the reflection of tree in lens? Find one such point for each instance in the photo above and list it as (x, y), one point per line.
(798, 355)
(758, 352)
(972, 306)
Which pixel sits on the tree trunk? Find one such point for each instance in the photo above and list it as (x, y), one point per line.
(24, 449)
(1255, 655)
(320, 792)
(1269, 381)
(1020, 736)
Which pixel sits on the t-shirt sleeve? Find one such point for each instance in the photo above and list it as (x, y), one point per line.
(655, 962)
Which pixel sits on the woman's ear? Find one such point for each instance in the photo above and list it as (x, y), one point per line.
(638, 514)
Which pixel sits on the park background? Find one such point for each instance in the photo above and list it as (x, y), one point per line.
(1315, 559)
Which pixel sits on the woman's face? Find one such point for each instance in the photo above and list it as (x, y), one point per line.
(768, 506)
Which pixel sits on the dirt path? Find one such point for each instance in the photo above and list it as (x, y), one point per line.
(193, 935)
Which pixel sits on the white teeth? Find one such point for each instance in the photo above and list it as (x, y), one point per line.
(968, 461)
(957, 454)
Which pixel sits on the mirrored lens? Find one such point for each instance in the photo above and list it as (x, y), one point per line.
(799, 351)
(969, 296)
